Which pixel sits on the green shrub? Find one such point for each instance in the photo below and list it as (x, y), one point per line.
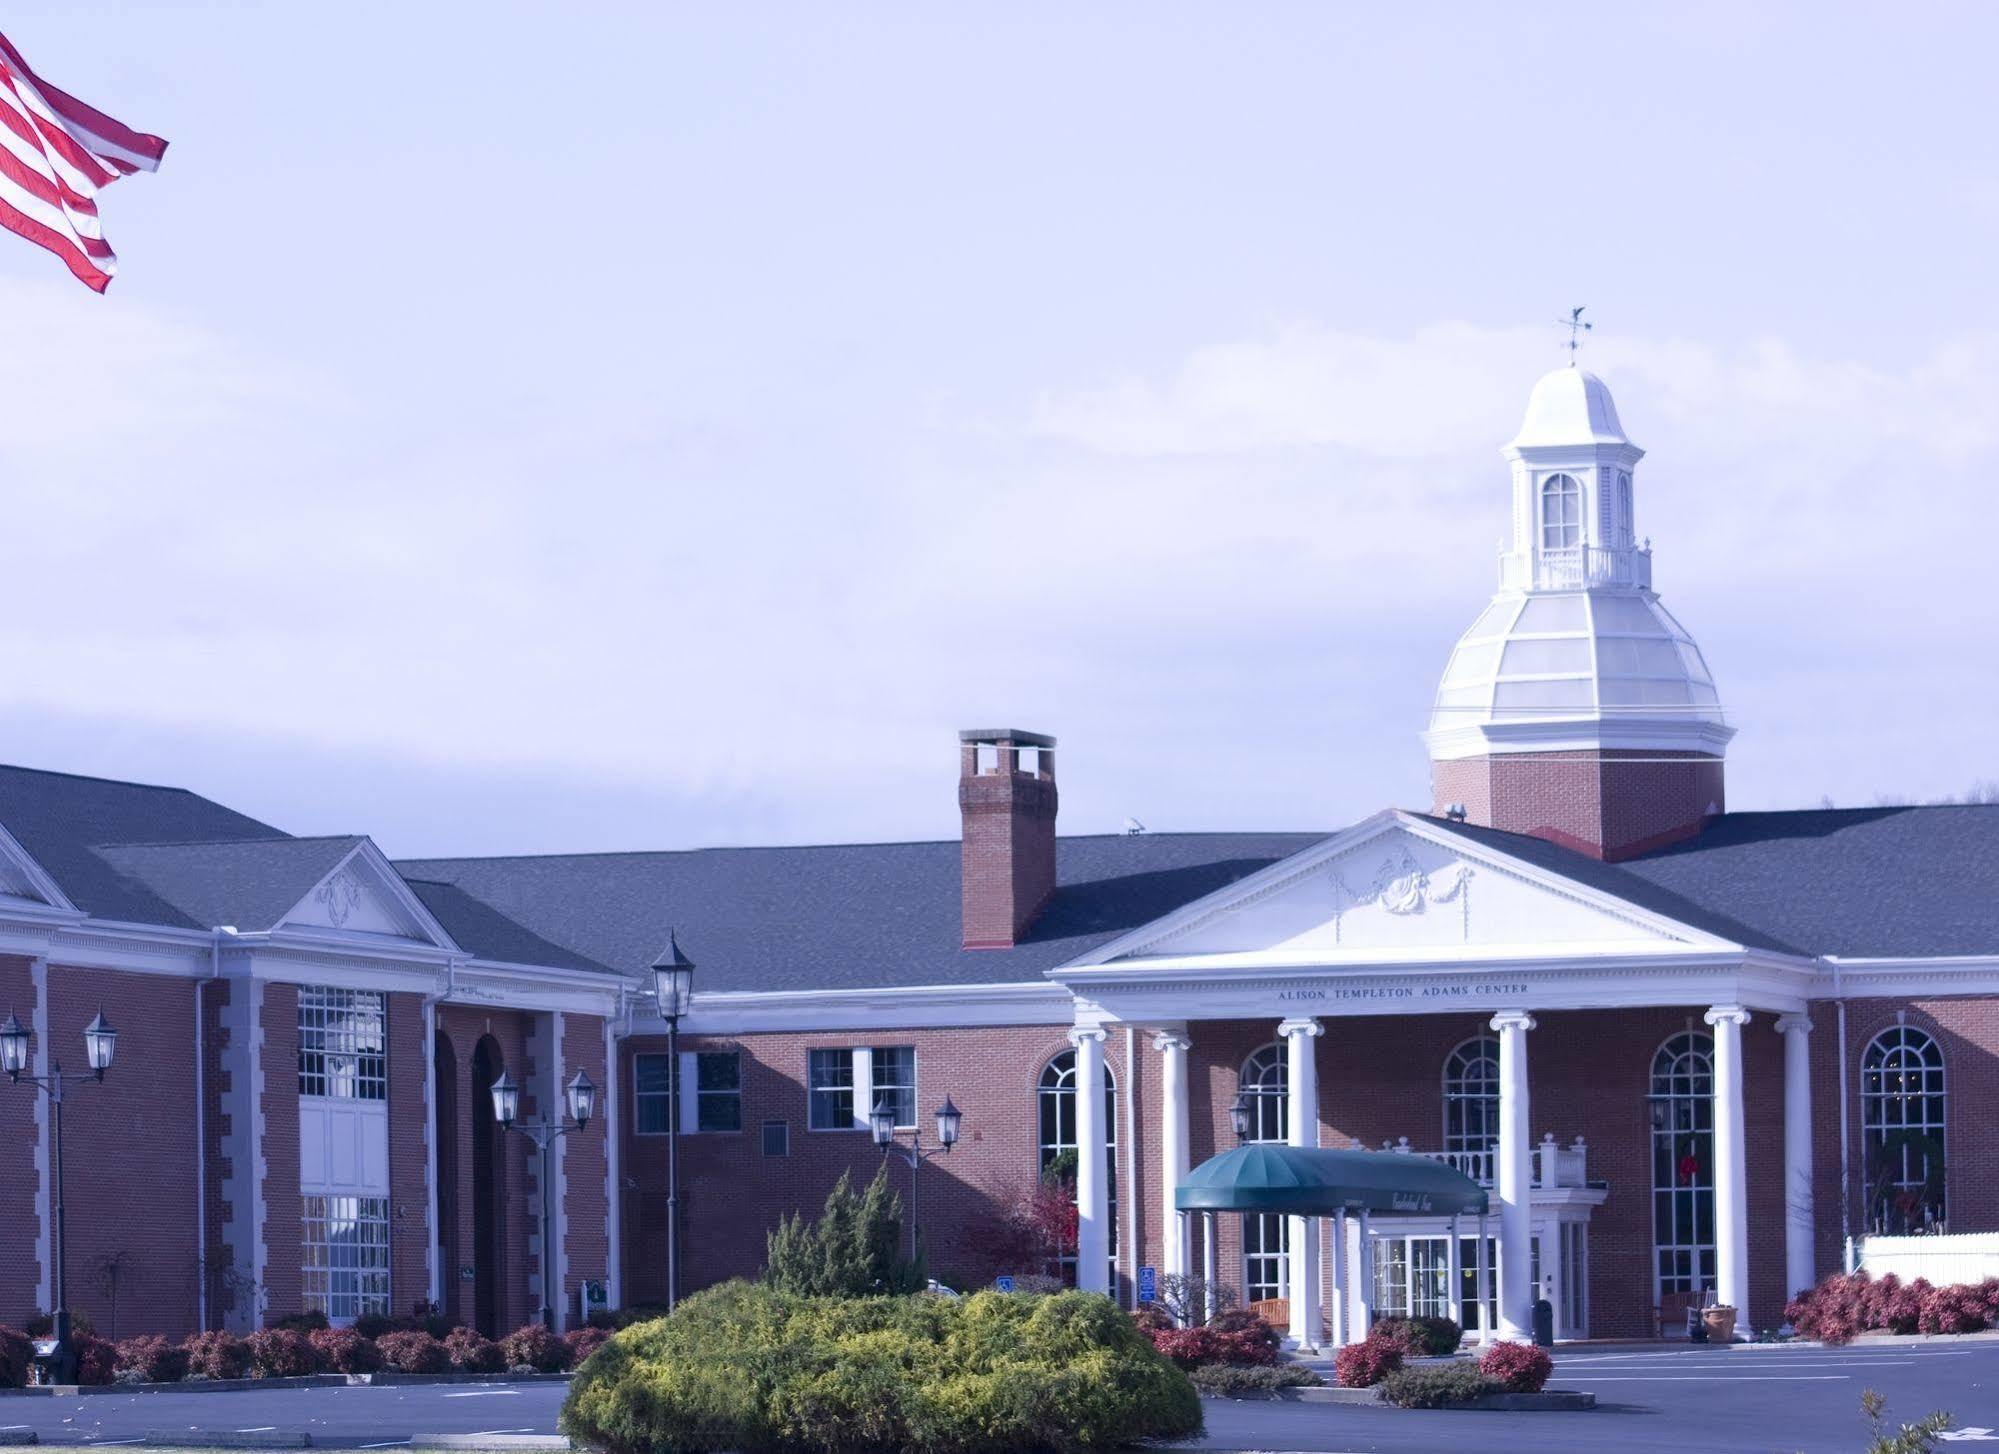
(1227, 1380)
(1436, 1385)
(746, 1367)
(854, 1250)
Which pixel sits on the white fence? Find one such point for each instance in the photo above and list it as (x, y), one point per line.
(1960, 1257)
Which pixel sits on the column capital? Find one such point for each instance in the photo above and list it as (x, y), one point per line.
(1801, 1023)
(1079, 1033)
(1513, 1020)
(1171, 1037)
(1304, 1026)
(1727, 1015)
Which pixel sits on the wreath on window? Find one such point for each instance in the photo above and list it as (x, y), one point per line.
(1689, 1165)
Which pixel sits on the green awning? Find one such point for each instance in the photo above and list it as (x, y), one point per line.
(1307, 1182)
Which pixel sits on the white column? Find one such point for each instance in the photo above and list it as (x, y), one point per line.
(1093, 1231)
(1731, 1167)
(1342, 1293)
(1209, 1271)
(1516, 1180)
(1302, 1068)
(1175, 1255)
(1454, 1273)
(1800, 1255)
(1485, 1320)
(1364, 1276)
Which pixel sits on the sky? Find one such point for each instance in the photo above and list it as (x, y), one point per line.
(529, 428)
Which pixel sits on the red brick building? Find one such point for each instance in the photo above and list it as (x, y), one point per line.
(1689, 1050)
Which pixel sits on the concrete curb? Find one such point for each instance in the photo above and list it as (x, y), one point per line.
(266, 1385)
(553, 1443)
(1550, 1400)
(228, 1439)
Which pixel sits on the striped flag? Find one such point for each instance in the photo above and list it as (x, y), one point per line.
(55, 153)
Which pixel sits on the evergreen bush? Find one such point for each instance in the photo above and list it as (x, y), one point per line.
(1437, 1385)
(1228, 1380)
(748, 1367)
(853, 1250)
(17, 1356)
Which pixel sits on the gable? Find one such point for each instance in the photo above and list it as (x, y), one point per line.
(364, 896)
(1395, 889)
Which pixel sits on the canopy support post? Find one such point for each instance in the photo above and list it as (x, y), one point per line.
(1208, 1268)
(1485, 1318)
(1340, 1308)
(1454, 1274)
(1364, 1280)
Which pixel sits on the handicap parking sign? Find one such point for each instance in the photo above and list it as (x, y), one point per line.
(1004, 1284)
(1148, 1284)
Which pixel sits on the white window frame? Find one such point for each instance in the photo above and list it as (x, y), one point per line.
(1899, 1051)
(1687, 1108)
(1471, 1079)
(362, 1261)
(862, 1058)
(1264, 1083)
(642, 1097)
(1566, 488)
(348, 1031)
(853, 1087)
(692, 1095)
(1056, 1087)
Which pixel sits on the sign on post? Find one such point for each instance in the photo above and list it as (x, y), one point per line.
(1004, 1282)
(1148, 1284)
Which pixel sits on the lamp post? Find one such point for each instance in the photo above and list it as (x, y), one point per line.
(673, 987)
(99, 1042)
(881, 1121)
(581, 1095)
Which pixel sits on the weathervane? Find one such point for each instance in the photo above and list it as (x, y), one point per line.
(1577, 328)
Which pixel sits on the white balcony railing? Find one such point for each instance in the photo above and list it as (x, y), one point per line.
(1554, 1165)
(1577, 567)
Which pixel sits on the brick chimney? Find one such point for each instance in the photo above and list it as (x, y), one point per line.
(1006, 796)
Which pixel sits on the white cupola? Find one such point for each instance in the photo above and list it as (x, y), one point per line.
(1574, 658)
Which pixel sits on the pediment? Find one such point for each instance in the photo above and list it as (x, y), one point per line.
(1389, 889)
(364, 896)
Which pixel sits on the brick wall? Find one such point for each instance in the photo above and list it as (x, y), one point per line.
(133, 1264)
(284, 1229)
(409, 1139)
(1007, 857)
(1610, 804)
(464, 1026)
(732, 1195)
(586, 1219)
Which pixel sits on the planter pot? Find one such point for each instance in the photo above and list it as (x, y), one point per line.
(1720, 1324)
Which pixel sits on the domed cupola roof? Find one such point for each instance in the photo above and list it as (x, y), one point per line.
(1569, 406)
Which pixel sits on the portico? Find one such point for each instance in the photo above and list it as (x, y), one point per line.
(1398, 930)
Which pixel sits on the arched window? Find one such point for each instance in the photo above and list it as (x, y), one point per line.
(1561, 512)
(1627, 521)
(1265, 1086)
(1902, 1130)
(1682, 1107)
(1055, 1096)
(1471, 1104)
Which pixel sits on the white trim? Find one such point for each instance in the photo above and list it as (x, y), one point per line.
(37, 878)
(1287, 872)
(913, 1007)
(1918, 977)
(390, 884)
(614, 1201)
(433, 1273)
(558, 1221)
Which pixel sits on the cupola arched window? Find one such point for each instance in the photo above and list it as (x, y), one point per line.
(1055, 1099)
(1265, 1086)
(1561, 513)
(1682, 1107)
(1902, 1130)
(1471, 1105)
(1627, 521)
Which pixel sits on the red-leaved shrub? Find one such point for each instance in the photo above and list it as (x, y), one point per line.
(1366, 1363)
(345, 1351)
(1201, 1347)
(96, 1360)
(17, 1356)
(1952, 1310)
(471, 1352)
(1517, 1367)
(409, 1351)
(281, 1353)
(583, 1342)
(217, 1355)
(535, 1347)
(153, 1358)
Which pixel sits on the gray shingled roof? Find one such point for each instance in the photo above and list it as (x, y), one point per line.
(62, 820)
(249, 884)
(1859, 882)
(489, 934)
(849, 916)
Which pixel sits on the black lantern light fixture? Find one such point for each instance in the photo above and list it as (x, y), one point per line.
(57, 1358)
(673, 988)
(581, 1096)
(881, 1123)
(1239, 1118)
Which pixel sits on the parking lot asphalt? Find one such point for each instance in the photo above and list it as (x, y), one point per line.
(1719, 1401)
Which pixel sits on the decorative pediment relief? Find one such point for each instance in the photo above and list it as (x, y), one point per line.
(1397, 891)
(359, 898)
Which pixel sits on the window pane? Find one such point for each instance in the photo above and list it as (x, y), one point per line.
(718, 1101)
(895, 1081)
(342, 1044)
(652, 1081)
(832, 1090)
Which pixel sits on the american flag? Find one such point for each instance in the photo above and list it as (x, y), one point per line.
(55, 153)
